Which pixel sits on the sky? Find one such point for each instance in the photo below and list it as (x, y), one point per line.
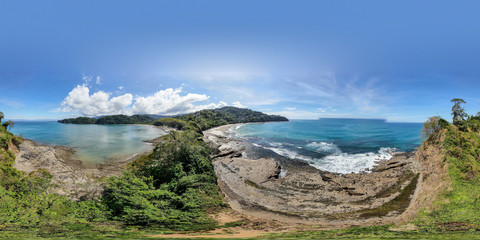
(398, 60)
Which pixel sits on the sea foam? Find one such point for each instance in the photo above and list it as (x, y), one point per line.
(348, 163)
(323, 147)
(338, 161)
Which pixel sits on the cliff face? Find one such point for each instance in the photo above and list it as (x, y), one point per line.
(451, 190)
(433, 179)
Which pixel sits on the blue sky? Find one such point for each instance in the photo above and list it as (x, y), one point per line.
(399, 60)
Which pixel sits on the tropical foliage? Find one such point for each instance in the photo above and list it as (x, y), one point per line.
(172, 187)
(112, 119)
(196, 121)
(206, 119)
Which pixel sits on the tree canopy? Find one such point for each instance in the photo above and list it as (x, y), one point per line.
(112, 119)
(458, 111)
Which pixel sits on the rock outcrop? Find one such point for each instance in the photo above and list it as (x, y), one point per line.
(296, 192)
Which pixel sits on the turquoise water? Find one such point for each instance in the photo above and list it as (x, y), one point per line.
(336, 145)
(92, 143)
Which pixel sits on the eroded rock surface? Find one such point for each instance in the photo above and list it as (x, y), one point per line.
(297, 190)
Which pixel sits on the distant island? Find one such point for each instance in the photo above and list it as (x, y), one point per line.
(203, 119)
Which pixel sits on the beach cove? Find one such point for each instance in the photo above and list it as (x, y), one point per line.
(78, 155)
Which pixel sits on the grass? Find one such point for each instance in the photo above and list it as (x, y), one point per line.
(374, 232)
(458, 208)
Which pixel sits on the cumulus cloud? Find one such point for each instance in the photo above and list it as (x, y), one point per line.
(238, 105)
(164, 102)
(170, 102)
(99, 103)
(290, 108)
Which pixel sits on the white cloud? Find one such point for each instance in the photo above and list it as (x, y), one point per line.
(290, 108)
(165, 102)
(121, 87)
(238, 105)
(99, 103)
(170, 102)
(87, 79)
(98, 81)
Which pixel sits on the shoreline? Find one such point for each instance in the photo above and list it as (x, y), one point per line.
(306, 195)
(75, 178)
(226, 131)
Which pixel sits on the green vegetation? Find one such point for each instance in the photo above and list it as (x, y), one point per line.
(374, 232)
(207, 119)
(198, 121)
(113, 119)
(171, 122)
(458, 112)
(173, 187)
(27, 201)
(431, 125)
(79, 120)
(459, 207)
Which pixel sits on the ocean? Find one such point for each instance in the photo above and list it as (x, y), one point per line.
(92, 143)
(335, 145)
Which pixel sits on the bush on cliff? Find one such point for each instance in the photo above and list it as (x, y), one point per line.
(26, 200)
(459, 206)
(172, 187)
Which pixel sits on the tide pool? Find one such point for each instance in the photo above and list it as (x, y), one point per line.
(92, 143)
(336, 145)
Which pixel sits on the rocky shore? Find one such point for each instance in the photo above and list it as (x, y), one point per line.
(72, 178)
(295, 192)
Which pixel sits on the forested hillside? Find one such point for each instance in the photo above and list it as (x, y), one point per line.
(112, 119)
(203, 119)
(210, 118)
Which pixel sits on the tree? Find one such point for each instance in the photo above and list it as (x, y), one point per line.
(10, 124)
(458, 112)
(1, 116)
(430, 126)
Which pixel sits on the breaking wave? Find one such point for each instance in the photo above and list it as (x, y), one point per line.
(337, 161)
(323, 147)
